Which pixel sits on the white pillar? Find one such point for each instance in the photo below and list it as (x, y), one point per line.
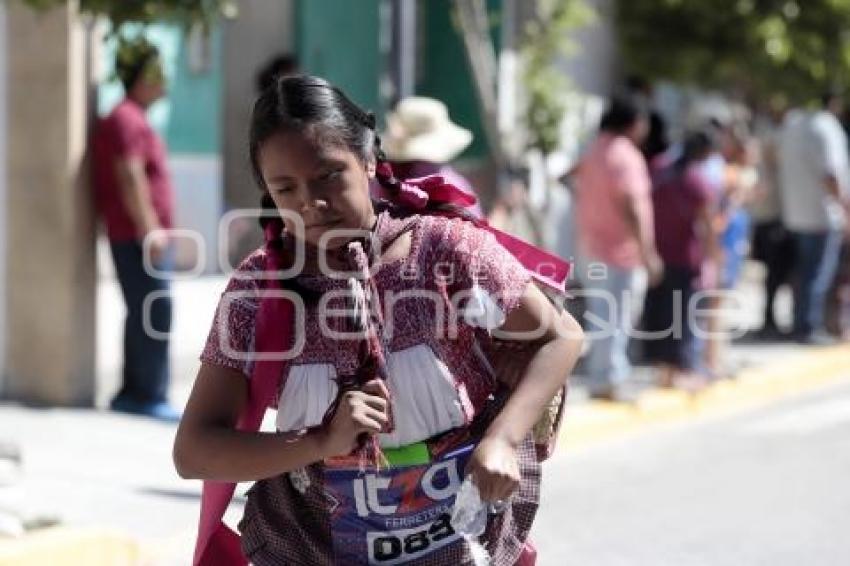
(49, 231)
(263, 29)
(3, 138)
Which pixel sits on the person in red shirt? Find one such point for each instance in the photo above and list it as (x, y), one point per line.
(617, 243)
(134, 198)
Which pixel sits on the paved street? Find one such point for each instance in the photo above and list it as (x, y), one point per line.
(767, 487)
(762, 487)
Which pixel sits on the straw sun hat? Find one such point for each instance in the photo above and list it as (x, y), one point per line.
(419, 129)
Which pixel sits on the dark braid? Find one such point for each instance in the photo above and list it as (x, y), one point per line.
(393, 184)
(272, 225)
(268, 206)
(276, 244)
(369, 119)
(383, 171)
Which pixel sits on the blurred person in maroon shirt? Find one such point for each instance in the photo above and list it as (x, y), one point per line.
(684, 209)
(135, 200)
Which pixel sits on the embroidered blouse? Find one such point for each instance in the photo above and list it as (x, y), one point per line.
(438, 304)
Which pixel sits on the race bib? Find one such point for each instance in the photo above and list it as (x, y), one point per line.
(396, 514)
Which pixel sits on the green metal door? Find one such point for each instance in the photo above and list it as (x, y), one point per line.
(341, 42)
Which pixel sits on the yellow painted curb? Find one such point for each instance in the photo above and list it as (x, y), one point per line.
(61, 546)
(751, 388)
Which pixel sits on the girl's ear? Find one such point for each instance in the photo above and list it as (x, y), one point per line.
(371, 167)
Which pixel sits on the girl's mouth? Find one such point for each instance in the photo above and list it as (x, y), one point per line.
(322, 225)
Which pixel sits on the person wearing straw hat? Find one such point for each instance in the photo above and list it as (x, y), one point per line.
(421, 140)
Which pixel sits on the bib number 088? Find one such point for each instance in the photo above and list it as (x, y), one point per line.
(392, 546)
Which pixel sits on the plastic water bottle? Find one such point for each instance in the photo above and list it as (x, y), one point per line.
(469, 519)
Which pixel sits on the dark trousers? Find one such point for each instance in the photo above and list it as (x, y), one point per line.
(774, 246)
(817, 261)
(146, 372)
(666, 312)
(838, 298)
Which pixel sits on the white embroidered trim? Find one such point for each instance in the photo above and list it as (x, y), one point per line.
(482, 311)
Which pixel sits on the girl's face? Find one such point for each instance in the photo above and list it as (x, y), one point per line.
(326, 185)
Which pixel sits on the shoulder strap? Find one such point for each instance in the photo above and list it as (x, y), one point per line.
(273, 333)
(547, 269)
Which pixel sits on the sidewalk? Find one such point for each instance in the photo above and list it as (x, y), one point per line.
(109, 479)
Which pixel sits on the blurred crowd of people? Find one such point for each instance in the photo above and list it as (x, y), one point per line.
(664, 228)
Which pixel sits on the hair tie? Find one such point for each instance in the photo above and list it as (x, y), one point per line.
(273, 231)
(411, 196)
(404, 194)
(384, 171)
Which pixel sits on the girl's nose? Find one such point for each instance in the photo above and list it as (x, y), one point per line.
(312, 200)
(316, 202)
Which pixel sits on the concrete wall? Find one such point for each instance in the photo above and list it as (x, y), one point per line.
(49, 229)
(595, 69)
(198, 207)
(3, 141)
(263, 30)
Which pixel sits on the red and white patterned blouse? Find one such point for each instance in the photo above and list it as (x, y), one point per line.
(456, 284)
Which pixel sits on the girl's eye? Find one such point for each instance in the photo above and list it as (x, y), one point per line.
(330, 175)
(282, 189)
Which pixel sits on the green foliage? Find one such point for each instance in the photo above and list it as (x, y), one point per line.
(754, 47)
(547, 39)
(145, 11)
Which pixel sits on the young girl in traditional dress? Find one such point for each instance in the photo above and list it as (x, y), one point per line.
(377, 328)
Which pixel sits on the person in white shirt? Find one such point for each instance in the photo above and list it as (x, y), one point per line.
(814, 175)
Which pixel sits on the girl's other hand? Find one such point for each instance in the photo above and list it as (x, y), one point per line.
(359, 411)
(494, 469)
